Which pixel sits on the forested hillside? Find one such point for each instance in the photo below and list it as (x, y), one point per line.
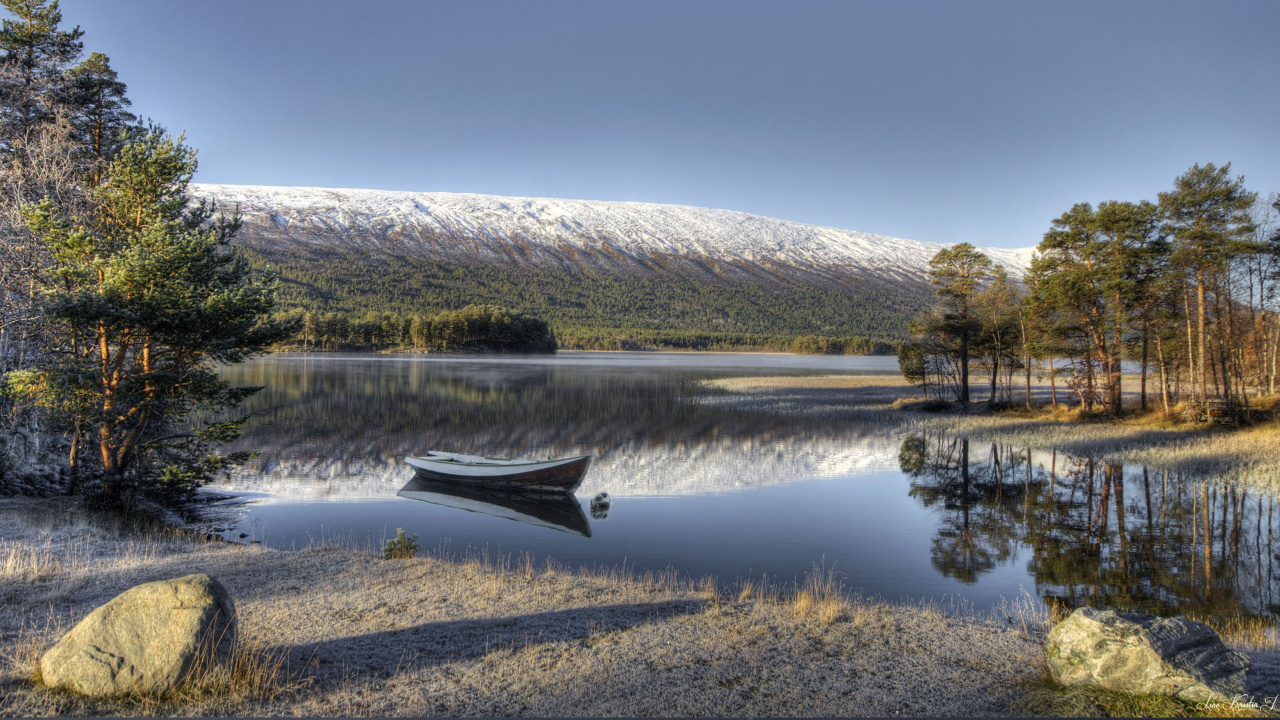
(598, 310)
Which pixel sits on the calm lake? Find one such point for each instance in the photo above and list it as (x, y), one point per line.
(697, 486)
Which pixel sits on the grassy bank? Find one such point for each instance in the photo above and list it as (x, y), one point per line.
(333, 630)
(1246, 454)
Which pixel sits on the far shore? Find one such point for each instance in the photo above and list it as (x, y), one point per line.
(1248, 454)
(643, 351)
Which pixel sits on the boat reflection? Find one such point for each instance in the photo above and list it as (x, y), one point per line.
(557, 511)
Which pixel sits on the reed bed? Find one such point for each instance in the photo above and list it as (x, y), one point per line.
(1244, 632)
(1246, 455)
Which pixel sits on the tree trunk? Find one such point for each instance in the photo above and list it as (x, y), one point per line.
(1225, 339)
(1142, 385)
(1275, 352)
(995, 374)
(1202, 317)
(1116, 378)
(1164, 377)
(1026, 362)
(1191, 348)
(1053, 383)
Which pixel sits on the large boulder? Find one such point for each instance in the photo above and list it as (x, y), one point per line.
(1144, 654)
(146, 639)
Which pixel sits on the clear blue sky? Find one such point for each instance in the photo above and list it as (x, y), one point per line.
(938, 121)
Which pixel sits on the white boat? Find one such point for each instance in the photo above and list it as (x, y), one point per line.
(557, 475)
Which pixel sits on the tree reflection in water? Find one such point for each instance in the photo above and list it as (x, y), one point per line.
(1099, 534)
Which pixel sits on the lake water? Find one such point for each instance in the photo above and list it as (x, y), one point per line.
(698, 486)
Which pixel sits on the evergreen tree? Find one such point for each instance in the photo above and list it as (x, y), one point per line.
(1066, 277)
(97, 98)
(914, 366)
(958, 273)
(997, 310)
(147, 297)
(1207, 215)
(34, 55)
(1127, 233)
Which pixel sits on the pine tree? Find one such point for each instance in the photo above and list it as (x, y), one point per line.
(1126, 232)
(97, 98)
(34, 55)
(958, 273)
(1065, 278)
(147, 297)
(1207, 214)
(997, 309)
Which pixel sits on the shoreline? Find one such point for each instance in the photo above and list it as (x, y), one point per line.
(643, 351)
(472, 635)
(1249, 455)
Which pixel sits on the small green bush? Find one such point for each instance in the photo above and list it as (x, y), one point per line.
(400, 546)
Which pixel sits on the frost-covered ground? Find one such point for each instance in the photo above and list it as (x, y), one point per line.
(441, 636)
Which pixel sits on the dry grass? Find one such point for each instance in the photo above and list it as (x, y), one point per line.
(26, 564)
(1244, 632)
(804, 382)
(21, 658)
(256, 670)
(1248, 455)
(821, 595)
(1046, 698)
(1030, 615)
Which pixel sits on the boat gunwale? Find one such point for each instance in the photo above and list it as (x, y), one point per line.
(493, 462)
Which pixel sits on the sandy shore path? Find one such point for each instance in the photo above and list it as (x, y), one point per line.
(433, 636)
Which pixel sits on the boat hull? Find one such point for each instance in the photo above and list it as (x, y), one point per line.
(551, 476)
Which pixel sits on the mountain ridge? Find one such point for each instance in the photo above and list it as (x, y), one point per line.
(620, 225)
(696, 269)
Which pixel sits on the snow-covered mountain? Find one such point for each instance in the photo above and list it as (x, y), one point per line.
(583, 235)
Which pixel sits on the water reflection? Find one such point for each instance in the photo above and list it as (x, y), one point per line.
(550, 510)
(1099, 533)
(600, 505)
(337, 426)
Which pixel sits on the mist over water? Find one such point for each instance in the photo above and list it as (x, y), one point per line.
(707, 489)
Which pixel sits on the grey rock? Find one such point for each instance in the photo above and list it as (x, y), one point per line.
(1144, 654)
(146, 639)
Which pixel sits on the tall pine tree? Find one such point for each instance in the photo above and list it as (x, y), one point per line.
(97, 100)
(958, 273)
(147, 297)
(34, 57)
(1207, 215)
